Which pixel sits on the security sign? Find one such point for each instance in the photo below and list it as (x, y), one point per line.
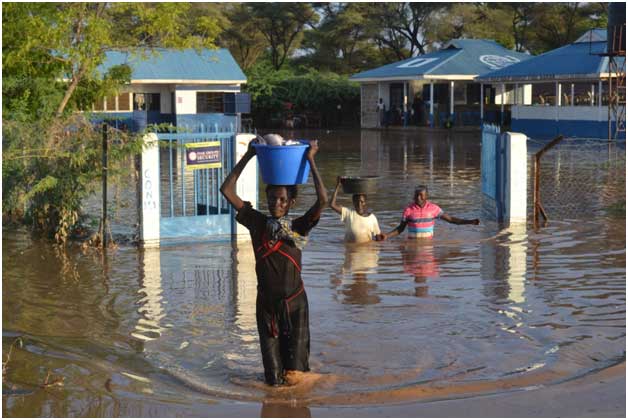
(204, 155)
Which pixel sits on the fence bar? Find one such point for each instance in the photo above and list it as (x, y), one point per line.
(206, 191)
(170, 179)
(183, 175)
(104, 186)
(538, 206)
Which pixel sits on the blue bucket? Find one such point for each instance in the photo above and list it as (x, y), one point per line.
(283, 165)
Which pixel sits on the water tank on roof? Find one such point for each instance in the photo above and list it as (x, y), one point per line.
(616, 29)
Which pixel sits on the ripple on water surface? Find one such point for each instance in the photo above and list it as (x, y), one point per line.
(478, 309)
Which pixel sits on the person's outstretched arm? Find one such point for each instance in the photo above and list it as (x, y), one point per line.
(321, 193)
(457, 221)
(228, 188)
(332, 204)
(396, 231)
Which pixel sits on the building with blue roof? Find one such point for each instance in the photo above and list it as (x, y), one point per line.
(563, 91)
(199, 90)
(435, 89)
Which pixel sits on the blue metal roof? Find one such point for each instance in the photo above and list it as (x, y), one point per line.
(582, 59)
(460, 57)
(179, 66)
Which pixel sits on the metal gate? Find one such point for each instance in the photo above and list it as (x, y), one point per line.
(191, 205)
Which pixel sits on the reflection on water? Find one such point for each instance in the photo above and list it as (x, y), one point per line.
(352, 280)
(419, 262)
(477, 309)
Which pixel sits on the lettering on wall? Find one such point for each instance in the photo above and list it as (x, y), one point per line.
(149, 201)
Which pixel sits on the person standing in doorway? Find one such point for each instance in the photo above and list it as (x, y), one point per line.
(381, 109)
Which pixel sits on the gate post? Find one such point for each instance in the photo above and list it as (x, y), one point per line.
(247, 184)
(515, 168)
(151, 207)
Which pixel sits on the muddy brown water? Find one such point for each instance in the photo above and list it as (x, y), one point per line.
(477, 310)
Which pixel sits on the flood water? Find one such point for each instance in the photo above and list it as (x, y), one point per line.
(477, 310)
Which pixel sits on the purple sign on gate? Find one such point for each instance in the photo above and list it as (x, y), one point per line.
(203, 155)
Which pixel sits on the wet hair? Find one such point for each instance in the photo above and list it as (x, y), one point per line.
(291, 190)
(420, 188)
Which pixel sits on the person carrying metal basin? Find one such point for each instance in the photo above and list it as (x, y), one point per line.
(360, 225)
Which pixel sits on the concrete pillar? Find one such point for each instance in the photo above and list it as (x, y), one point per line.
(482, 102)
(558, 102)
(405, 104)
(151, 206)
(515, 170)
(572, 95)
(503, 99)
(431, 104)
(451, 98)
(599, 94)
(247, 185)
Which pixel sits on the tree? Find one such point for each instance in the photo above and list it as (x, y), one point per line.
(557, 24)
(404, 26)
(282, 24)
(343, 42)
(476, 21)
(51, 53)
(531, 27)
(241, 36)
(72, 38)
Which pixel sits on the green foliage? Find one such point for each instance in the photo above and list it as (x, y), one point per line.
(51, 52)
(50, 168)
(275, 93)
(282, 25)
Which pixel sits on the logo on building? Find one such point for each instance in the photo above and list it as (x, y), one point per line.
(417, 62)
(496, 62)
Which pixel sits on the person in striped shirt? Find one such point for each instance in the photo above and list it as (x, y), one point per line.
(420, 217)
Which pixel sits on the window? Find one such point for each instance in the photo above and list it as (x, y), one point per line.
(209, 103)
(473, 93)
(99, 105)
(110, 105)
(124, 103)
(460, 93)
(113, 104)
(146, 102)
(544, 94)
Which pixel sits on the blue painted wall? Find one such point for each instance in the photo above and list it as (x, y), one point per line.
(543, 129)
(206, 122)
(138, 120)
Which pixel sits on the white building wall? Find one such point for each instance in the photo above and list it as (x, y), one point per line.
(569, 113)
(185, 101)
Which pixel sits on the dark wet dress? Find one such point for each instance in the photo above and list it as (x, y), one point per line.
(282, 309)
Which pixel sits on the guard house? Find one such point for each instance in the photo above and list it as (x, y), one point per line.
(563, 91)
(186, 88)
(436, 89)
(182, 170)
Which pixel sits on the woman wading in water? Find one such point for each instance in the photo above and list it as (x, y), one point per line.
(282, 308)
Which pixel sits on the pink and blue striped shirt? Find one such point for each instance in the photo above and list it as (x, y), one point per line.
(421, 221)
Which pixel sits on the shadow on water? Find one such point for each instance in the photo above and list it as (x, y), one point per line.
(477, 310)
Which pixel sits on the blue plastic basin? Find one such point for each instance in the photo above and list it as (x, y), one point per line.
(283, 165)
